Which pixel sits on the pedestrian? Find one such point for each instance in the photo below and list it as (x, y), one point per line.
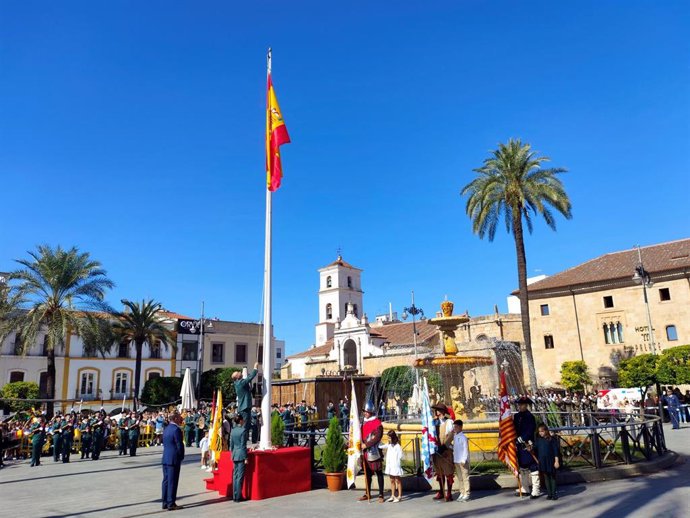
(443, 458)
(393, 465)
(204, 445)
(238, 447)
(372, 433)
(173, 454)
(548, 453)
(461, 459)
(243, 389)
(525, 428)
(673, 407)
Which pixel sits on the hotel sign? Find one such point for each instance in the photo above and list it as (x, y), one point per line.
(188, 327)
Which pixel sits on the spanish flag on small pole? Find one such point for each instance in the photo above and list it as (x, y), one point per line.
(276, 136)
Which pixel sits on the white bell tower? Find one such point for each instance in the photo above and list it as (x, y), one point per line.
(339, 284)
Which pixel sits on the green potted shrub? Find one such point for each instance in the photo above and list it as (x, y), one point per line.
(334, 457)
(277, 430)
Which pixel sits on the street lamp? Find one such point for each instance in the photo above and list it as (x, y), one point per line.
(200, 351)
(414, 311)
(641, 276)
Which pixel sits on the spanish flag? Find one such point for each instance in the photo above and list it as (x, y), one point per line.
(276, 135)
(507, 450)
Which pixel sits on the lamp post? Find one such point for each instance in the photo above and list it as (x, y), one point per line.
(641, 276)
(414, 311)
(200, 351)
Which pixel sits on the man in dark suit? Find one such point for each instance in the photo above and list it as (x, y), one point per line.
(238, 446)
(173, 453)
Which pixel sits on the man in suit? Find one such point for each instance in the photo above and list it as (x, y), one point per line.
(173, 454)
(238, 446)
(243, 389)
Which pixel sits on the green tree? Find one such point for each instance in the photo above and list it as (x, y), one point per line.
(161, 390)
(334, 456)
(142, 324)
(638, 371)
(575, 375)
(57, 285)
(512, 186)
(674, 365)
(221, 379)
(97, 334)
(20, 390)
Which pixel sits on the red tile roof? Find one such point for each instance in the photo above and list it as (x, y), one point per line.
(620, 266)
(339, 262)
(401, 333)
(321, 350)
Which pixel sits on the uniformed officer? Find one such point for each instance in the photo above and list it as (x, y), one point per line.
(254, 424)
(98, 426)
(37, 432)
(289, 419)
(525, 428)
(189, 428)
(68, 436)
(123, 426)
(133, 433)
(56, 431)
(303, 411)
(238, 447)
(86, 438)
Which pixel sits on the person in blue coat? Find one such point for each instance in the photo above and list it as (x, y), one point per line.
(173, 454)
(238, 447)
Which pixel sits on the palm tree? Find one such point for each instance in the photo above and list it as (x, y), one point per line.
(512, 186)
(58, 286)
(142, 323)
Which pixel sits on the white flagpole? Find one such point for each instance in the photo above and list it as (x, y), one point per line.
(267, 367)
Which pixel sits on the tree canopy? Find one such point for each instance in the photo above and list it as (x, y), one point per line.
(575, 375)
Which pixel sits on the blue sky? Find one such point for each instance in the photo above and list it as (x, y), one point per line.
(134, 130)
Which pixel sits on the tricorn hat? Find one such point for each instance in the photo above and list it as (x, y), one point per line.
(441, 408)
(524, 400)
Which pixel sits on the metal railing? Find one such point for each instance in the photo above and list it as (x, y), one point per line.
(597, 440)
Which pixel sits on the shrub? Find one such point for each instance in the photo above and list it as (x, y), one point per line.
(277, 430)
(638, 372)
(334, 456)
(575, 375)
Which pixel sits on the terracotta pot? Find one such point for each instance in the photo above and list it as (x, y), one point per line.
(335, 481)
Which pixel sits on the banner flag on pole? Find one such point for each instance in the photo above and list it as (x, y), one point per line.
(429, 440)
(354, 443)
(507, 450)
(215, 441)
(276, 135)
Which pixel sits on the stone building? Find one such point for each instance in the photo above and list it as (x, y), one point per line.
(596, 312)
(346, 342)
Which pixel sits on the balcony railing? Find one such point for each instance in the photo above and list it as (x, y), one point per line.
(96, 394)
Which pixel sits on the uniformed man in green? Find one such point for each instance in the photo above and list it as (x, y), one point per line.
(189, 428)
(86, 435)
(200, 421)
(37, 432)
(98, 427)
(238, 447)
(123, 425)
(133, 431)
(243, 389)
(68, 435)
(56, 431)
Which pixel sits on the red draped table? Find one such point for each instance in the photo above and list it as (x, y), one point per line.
(268, 473)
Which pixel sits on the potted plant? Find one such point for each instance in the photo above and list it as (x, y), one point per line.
(277, 430)
(334, 457)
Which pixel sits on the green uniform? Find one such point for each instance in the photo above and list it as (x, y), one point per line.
(37, 432)
(98, 436)
(67, 439)
(133, 436)
(86, 437)
(57, 439)
(123, 424)
(238, 446)
(189, 429)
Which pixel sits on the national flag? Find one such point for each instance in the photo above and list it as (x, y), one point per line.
(354, 443)
(215, 441)
(507, 450)
(276, 135)
(429, 439)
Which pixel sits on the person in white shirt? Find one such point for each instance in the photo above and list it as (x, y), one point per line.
(203, 444)
(461, 458)
(393, 465)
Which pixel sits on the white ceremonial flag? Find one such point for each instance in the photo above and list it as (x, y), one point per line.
(354, 443)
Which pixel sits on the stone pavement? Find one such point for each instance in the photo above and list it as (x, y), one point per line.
(124, 486)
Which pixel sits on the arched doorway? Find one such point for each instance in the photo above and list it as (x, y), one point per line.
(350, 354)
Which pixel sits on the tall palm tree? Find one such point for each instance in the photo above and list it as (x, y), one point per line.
(512, 186)
(142, 324)
(58, 286)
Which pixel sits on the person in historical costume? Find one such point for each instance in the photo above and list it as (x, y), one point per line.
(444, 466)
(372, 433)
(525, 428)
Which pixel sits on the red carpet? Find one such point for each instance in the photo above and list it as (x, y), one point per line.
(269, 473)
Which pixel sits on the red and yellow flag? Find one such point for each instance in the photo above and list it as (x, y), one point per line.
(276, 136)
(507, 450)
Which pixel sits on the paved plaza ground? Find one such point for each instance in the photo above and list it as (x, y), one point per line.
(130, 486)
